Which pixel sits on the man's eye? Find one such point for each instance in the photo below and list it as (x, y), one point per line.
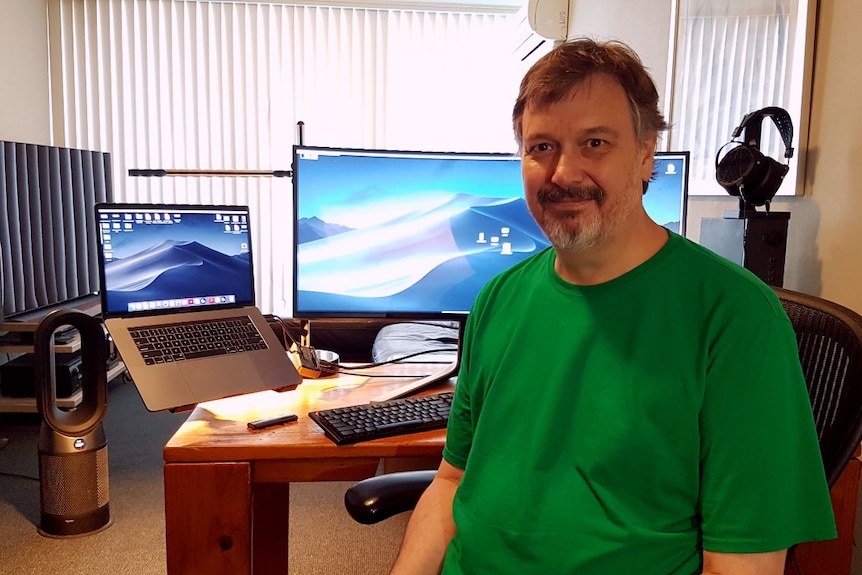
(595, 143)
(543, 147)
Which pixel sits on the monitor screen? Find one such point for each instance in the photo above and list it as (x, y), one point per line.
(181, 258)
(667, 196)
(403, 234)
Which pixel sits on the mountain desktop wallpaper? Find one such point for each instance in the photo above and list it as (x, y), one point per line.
(406, 232)
(428, 260)
(410, 232)
(152, 262)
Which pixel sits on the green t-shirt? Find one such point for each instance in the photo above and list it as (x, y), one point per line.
(624, 427)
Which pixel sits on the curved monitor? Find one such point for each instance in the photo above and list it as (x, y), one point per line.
(666, 199)
(402, 234)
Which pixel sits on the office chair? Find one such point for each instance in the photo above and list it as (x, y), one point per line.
(829, 337)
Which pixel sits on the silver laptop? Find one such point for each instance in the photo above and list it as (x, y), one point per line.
(178, 301)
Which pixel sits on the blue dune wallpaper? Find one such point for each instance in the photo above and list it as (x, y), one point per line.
(402, 232)
(664, 200)
(196, 258)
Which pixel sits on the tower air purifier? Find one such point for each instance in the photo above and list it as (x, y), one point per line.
(73, 449)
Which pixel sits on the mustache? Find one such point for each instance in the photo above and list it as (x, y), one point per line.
(554, 193)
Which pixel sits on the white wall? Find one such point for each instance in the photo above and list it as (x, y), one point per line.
(834, 176)
(24, 93)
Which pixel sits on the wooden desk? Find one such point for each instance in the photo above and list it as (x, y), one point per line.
(227, 488)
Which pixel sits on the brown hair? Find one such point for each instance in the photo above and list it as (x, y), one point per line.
(553, 76)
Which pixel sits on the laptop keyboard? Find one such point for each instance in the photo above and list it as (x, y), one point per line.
(172, 342)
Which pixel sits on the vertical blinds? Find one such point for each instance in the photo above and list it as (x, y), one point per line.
(221, 85)
(729, 63)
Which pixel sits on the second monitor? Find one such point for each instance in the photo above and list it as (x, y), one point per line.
(402, 234)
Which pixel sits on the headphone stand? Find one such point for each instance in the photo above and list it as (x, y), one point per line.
(752, 239)
(744, 208)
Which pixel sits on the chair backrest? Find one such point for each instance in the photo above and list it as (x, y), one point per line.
(829, 337)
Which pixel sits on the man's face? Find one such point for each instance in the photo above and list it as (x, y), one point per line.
(583, 167)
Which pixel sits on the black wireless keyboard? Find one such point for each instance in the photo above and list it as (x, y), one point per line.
(357, 423)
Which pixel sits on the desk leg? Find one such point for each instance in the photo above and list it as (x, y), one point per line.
(208, 518)
(834, 557)
(270, 528)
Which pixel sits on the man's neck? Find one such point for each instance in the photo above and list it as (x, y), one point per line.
(612, 258)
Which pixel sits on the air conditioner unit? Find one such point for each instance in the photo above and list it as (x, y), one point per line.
(537, 24)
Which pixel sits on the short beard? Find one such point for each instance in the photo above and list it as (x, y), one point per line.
(562, 235)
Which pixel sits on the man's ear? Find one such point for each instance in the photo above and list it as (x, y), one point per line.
(647, 150)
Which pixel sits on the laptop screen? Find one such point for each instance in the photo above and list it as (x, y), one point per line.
(162, 258)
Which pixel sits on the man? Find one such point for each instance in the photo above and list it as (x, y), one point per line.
(628, 402)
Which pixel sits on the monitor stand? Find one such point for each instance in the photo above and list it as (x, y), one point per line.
(414, 385)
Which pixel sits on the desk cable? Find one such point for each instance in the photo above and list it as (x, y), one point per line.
(333, 367)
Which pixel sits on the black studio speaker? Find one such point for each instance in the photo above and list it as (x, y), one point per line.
(73, 449)
(744, 170)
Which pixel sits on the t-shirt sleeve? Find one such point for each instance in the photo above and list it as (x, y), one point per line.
(459, 430)
(763, 487)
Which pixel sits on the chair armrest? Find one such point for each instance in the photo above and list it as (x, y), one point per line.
(377, 498)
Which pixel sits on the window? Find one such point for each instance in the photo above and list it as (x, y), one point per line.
(221, 85)
(733, 58)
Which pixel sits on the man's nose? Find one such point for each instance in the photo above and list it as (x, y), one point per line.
(568, 170)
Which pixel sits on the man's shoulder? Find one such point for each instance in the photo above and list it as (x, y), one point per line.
(699, 269)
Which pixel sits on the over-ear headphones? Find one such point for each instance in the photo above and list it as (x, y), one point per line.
(744, 171)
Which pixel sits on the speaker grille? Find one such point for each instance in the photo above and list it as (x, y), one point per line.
(74, 484)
